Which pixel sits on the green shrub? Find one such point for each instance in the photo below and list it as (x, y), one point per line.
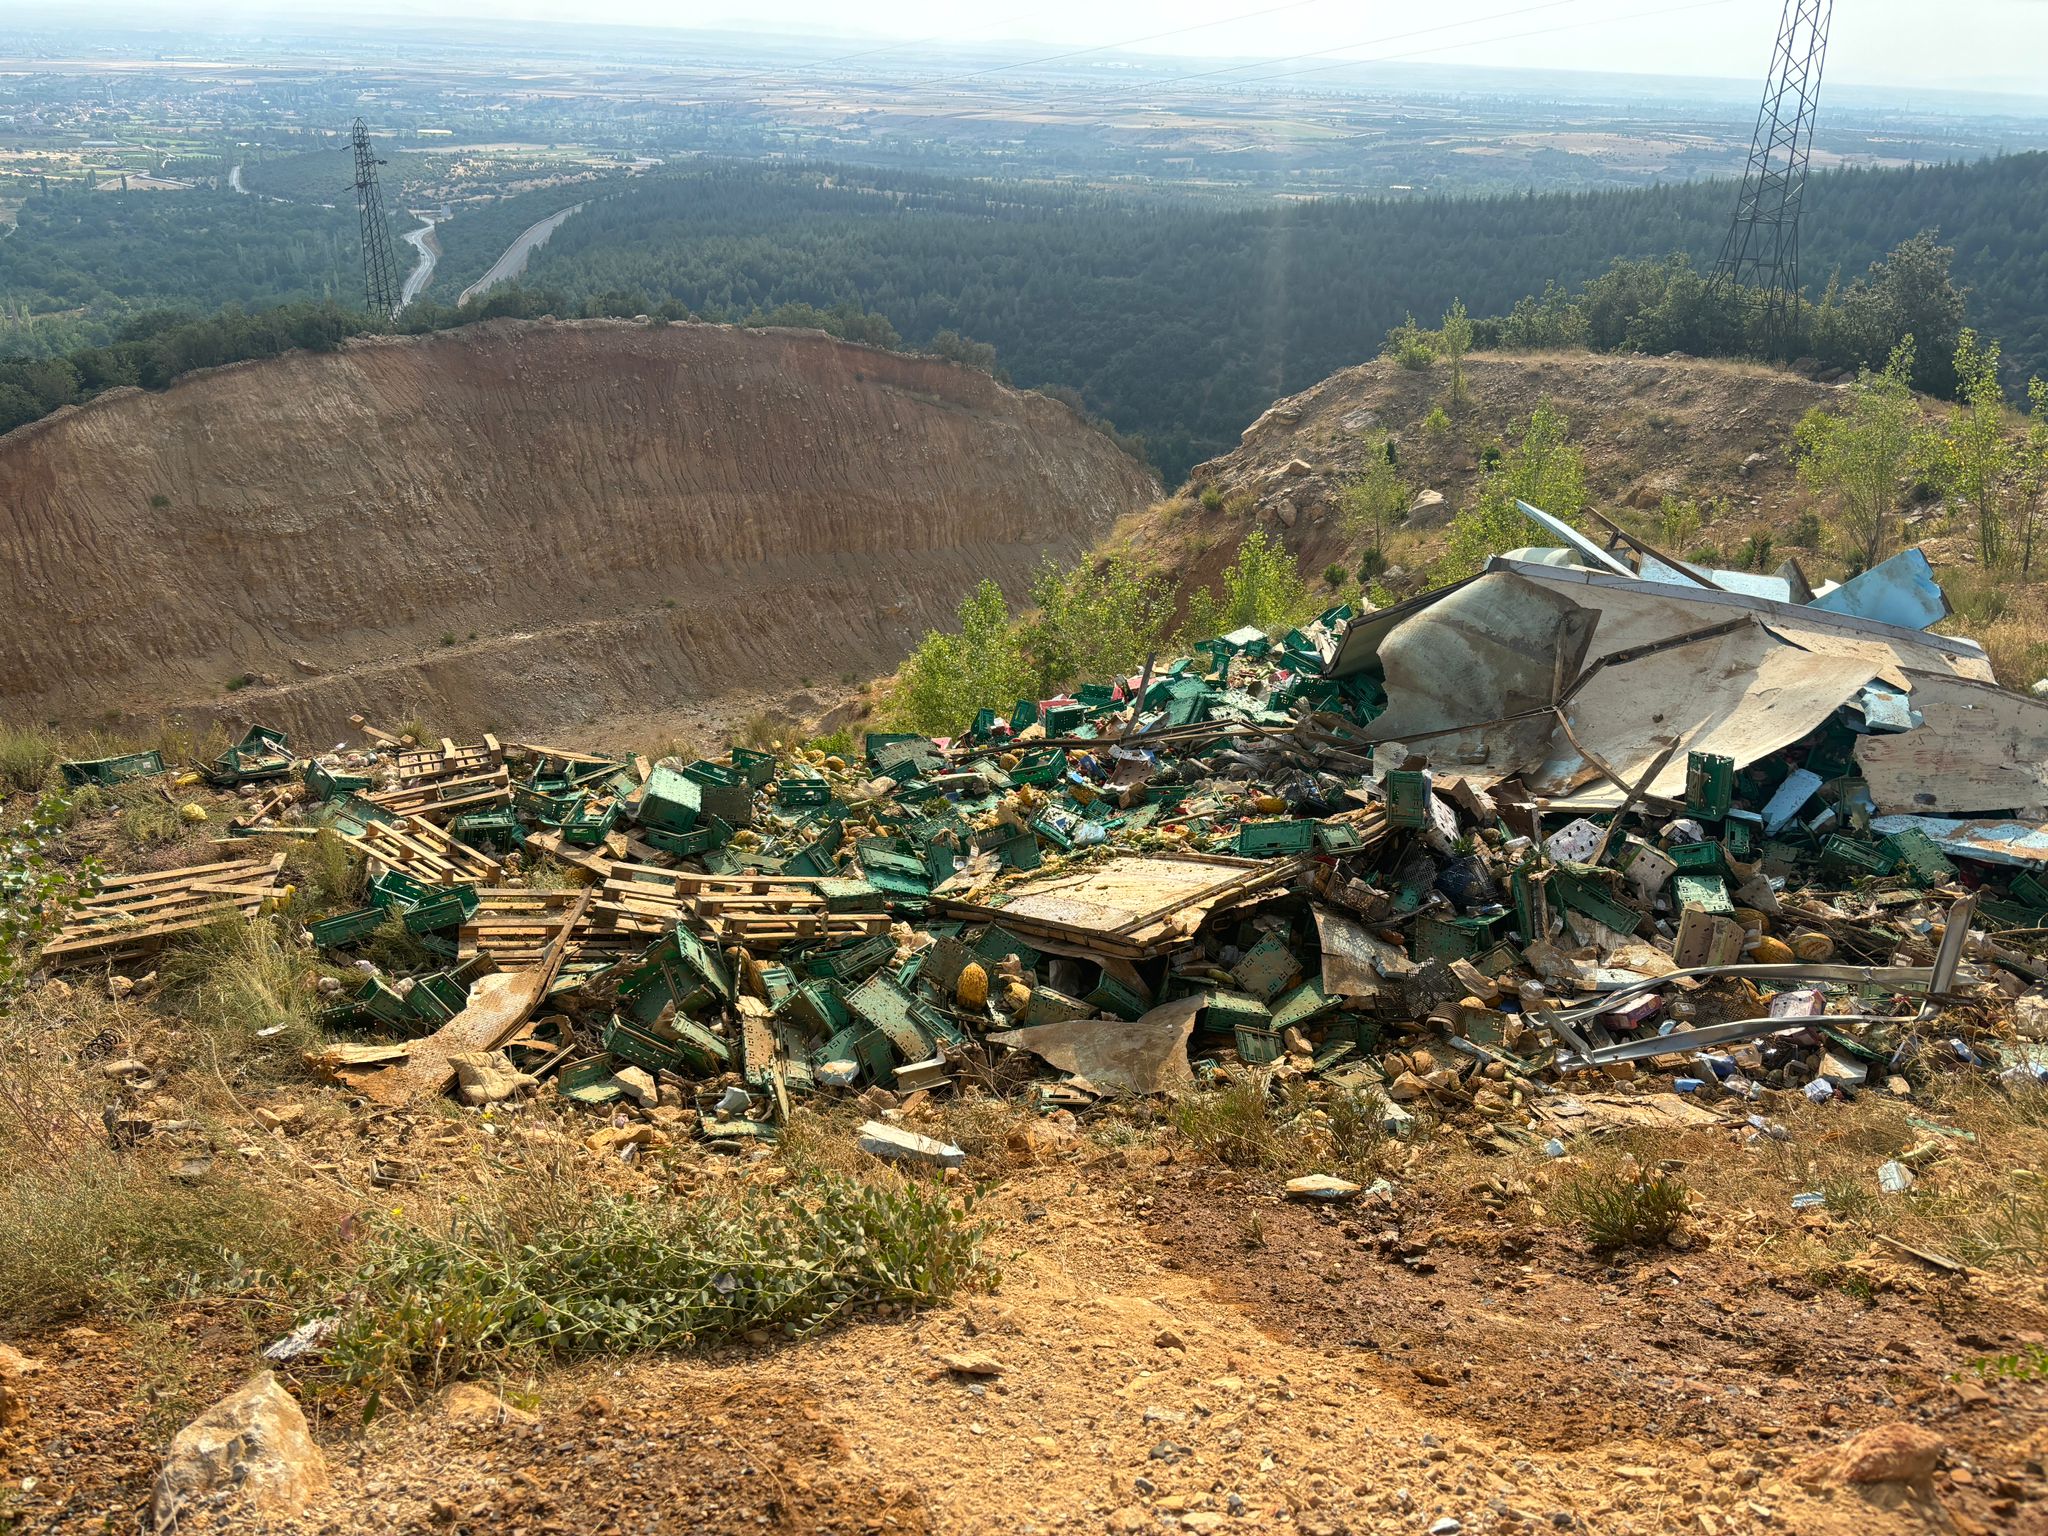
(1212, 497)
(1545, 469)
(1618, 1208)
(28, 756)
(607, 1274)
(1261, 588)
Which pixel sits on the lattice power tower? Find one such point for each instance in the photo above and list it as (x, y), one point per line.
(1762, 250)
(380, 269)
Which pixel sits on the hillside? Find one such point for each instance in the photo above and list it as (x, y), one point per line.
(1181, 322)
(1709, 438)
(527, 523)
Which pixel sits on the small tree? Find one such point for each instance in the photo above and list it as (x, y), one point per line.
(1860, 455)
(1972, 455)
(2033, 469)
(1262, 588)
(1099, 620)
(950, 676)
(1545, 469)
(1454, 341)
(1374, 500)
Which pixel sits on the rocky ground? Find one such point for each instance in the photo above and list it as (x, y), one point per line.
(1170, 1345)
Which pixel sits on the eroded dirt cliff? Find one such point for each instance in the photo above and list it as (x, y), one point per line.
(526, 523)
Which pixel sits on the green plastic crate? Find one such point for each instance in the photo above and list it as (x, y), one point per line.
(1709, 785)
(112, 770)
(348, 928)
(1269, 839)
(1848, 859)
(1408, 798)
(1707, 892)
(448, 907)
(1702, 858)
(1115, 999)
(1916, 852)
(671, 802)
(1585, 897)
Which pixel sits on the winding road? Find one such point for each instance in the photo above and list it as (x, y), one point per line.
(513, 262)
(422, 273)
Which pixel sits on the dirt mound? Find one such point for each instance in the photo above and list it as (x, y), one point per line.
(532, 523)
(1711, 433)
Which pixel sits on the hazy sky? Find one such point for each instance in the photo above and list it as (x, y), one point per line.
(1987, 44)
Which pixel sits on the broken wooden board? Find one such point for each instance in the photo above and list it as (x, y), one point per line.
(1133, 905)
(135, 914)
(499, 1006)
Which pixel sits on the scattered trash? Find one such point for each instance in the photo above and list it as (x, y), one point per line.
(1588, 820)
(901, 1146)
(1321, 1186)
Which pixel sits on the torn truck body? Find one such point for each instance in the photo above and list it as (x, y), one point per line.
(1574, 680)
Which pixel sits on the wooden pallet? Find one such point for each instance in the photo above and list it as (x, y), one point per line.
(424, 765)
(415, 846)
(129, 915)
(447, 797)
(513, 925)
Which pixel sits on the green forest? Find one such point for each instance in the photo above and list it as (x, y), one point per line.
(1181, 323)
(79, 262)
(1177, 323)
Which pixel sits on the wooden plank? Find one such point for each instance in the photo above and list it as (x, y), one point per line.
(499, 1006)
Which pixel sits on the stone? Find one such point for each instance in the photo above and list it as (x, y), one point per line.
(1286, 512)
(1202, 1521)
(1428, 510)
(1294, 469)
(14, 1368)
(1130, 1519)
(250, 1450)
(281, 1117)
(487, 1077)
(1166, 1338)
(976, 1365)
(1753, 463)
(892, 1144)
(1320, 1186)
(1407, 1088)
(638, 1085)
(119, 987)
(1889, 1453)
(468, 1402)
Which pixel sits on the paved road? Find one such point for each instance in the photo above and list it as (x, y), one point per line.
(422, 273)
(235, 181)
(513, 262)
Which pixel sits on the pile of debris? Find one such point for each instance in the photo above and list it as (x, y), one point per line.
(1572, 816)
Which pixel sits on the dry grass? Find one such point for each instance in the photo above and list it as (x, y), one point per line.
(89, 1227)
(28, 759)
(1980, 1201)
(1260, 1123)
(233, 981)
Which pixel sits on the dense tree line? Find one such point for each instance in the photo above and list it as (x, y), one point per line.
(102, 256)
(1181, 322)
(1177, 322)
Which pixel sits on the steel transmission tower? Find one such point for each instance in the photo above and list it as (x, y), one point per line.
(1762, 250)
(380, 269)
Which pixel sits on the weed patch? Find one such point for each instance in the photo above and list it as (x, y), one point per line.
(613, 1275)
(238, 978)
(28, 756)
(1618, 1208)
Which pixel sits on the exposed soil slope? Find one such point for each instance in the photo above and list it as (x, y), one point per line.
(532, 523)
(1647, 427)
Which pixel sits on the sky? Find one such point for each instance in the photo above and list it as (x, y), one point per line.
(1950, 44)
